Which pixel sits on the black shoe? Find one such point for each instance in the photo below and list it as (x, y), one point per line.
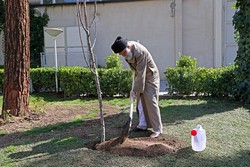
(138, 129)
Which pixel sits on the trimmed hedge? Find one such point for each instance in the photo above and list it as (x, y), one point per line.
(214, 82)
(43, 79)
(115, 81)
(201, 81)
(180, 80)
(76, 81)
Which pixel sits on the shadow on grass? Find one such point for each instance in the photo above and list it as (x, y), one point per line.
(64, 137)
(185, 157)
(177, 113)
(190, 158)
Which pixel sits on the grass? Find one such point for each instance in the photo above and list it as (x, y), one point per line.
(226, 124)
(58, 126)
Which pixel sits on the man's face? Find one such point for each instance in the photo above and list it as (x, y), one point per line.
(126, 53)
(123, 53)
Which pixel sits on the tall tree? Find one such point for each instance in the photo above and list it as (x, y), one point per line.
(16, 58)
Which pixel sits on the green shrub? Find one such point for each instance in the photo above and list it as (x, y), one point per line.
(76, 81)
(215, 82)
(181, 78)
(186, 62)
(202, 81)
(113, 61)
(115, 81)
(185, 78)
(225, 81)
(43, 79)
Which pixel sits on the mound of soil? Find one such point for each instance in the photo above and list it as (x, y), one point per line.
(141, 147)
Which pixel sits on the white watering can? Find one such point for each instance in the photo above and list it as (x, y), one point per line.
(198, 139)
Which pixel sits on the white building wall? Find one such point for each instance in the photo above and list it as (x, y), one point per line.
(198, 30)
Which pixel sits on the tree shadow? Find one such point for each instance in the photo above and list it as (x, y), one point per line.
(63, 136)
(191, 158)
(185, 157)
(177, 113)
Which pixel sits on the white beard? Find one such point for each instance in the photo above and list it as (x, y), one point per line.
(129, 54)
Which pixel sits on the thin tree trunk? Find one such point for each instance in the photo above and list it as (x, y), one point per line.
(98, 87)
(82, 17)
(17, 58)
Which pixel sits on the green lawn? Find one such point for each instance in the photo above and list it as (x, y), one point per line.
(227, 125)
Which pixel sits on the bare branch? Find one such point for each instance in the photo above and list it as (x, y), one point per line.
(94, 18)
(80, 35)
(93, 45)
(79, 15)
(82, 45)
(85, 14)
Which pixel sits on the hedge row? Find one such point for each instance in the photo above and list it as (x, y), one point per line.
(80, 81)
(183, 79)
(76, 81)
(201, 81)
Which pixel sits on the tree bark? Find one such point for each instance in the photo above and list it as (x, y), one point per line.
(16, 58)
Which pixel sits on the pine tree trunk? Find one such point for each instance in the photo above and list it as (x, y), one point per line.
(16, 58)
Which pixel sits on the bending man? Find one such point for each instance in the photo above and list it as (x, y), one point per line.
(147, 80)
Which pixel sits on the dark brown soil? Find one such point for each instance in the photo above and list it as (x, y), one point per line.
(141, 146)
(138, 143)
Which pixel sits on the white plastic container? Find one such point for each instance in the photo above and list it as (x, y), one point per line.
(198, 139)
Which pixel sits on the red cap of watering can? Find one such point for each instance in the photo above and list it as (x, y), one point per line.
(193, 132)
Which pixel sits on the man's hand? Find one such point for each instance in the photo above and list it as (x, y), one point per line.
(133, 94)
